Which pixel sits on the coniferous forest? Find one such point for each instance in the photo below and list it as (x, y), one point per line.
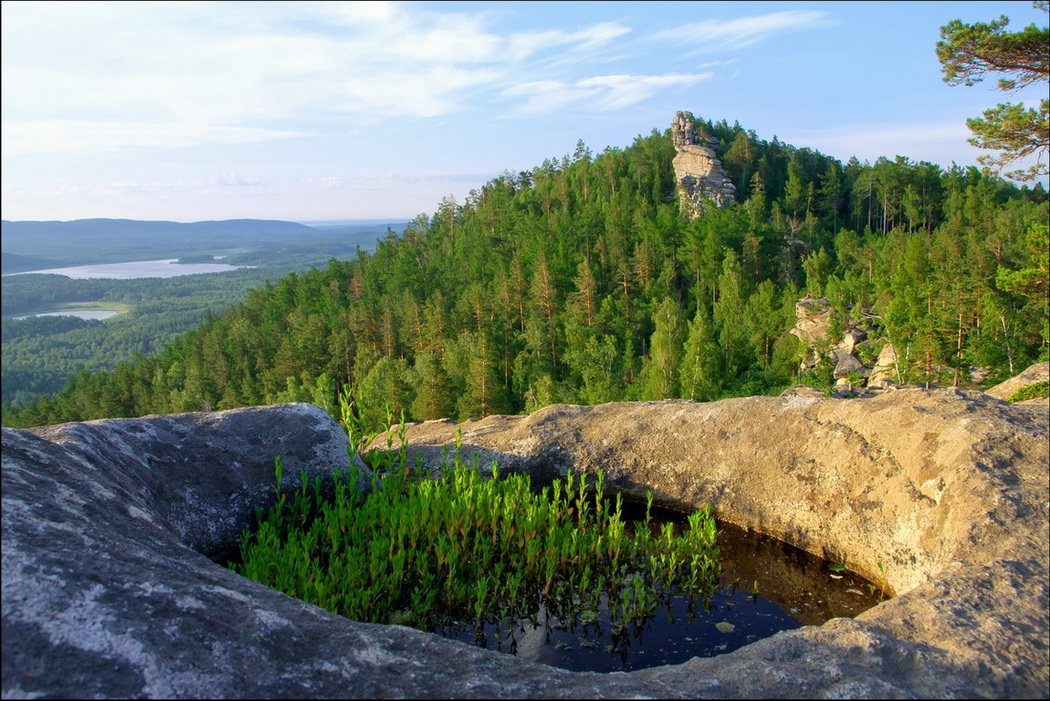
(581, 282)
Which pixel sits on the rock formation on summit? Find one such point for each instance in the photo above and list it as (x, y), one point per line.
(701, 179)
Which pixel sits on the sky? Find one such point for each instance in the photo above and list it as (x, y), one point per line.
(330, 111)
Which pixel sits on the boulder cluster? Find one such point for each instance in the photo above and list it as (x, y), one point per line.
(847, 344)
(861, 360)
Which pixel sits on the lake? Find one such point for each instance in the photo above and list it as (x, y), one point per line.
(168, 267)
(80, 314)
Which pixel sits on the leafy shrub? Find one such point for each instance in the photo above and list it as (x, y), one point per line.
(1032, 391)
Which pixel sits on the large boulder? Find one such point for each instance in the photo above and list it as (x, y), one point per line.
(814, 317)
(1039, 372)
(107, 590)
(884, 374)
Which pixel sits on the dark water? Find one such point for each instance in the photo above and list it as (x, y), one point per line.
(767, 586)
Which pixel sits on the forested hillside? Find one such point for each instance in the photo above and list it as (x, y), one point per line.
(581, 281)
(39, 352)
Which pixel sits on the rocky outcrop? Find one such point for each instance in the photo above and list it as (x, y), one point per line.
(1040, 372)
(702, 181)
(886, 372)
(842, 341)
(814, 326)
(107, 590)
(814, 316)
(945, 489)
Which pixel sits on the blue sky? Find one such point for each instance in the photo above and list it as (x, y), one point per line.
(326, 111)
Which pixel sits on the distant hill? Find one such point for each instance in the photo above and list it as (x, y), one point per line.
(29, 245)
(10, 262)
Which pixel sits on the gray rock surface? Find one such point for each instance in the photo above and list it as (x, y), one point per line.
(107, 590)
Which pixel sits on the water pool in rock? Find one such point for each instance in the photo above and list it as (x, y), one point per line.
(766, 586)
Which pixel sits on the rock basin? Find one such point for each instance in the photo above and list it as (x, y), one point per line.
(108, 589)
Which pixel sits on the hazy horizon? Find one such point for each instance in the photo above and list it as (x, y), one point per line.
(322, 223)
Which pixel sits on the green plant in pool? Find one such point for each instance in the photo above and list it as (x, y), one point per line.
(464, 547)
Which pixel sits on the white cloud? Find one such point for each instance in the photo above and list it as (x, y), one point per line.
(523, 45)
(232, 179)
(65, 136)
(598, 93)
(722, 35)
(228, 195)
(90, 76)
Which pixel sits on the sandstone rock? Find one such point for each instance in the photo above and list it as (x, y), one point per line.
(947, 489)
(815, 316)
(1039, 372)
(851, 338)
(807, 391)
(846, 364)
(701, 179)
(884, 374)
(107, 592)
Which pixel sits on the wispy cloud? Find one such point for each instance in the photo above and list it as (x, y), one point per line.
(226, 73)
(598, 93)
(96, 77)
(77, 135)
(229, 195)
(721, 35)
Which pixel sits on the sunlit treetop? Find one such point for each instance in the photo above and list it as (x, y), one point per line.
(969, 51)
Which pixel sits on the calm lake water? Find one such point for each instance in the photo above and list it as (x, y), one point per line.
(82, 314)
(169, 267)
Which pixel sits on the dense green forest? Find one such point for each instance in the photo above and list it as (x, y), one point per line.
(581, 281)
(40, 353)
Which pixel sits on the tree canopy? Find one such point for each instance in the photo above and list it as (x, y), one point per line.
(968, 52)
(581, 282)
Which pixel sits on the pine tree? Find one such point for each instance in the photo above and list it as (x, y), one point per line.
(968, 52)
(660, 372)
(700, 372)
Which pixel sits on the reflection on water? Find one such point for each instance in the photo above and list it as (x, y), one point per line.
(168, 267)
(767, 586)
(80, 314)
